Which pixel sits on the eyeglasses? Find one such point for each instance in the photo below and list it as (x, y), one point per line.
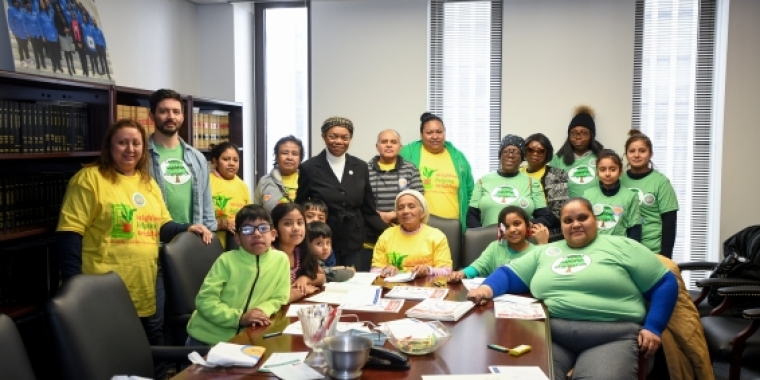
(249, 230)
(579, 134)
(339, 137)
(510, 152)
(535, 151)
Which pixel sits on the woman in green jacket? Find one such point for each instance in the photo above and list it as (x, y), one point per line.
(445, 172)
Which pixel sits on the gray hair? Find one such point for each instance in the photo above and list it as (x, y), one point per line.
(389, 130)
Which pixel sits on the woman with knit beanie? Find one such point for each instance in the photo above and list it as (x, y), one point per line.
(506, 187)
(578, 155)
(446, 174)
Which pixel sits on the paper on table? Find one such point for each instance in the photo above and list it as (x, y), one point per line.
(483, 376)
(296, 371)
(282, 358)
(514, 299)
(472, 283)
(365, 296)
(416, 292)
(363, 278)
(518, 310)
(383, 305)
(519, 372)
(337, 292)
(125, 377)
(401, 277)
(228, 354)
(296, 329)
(293, 309)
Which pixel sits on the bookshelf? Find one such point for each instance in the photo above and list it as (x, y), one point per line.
(49, 128)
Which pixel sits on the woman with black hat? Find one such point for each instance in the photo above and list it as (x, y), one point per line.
(342, 182)
(578, 155)
(508, 186)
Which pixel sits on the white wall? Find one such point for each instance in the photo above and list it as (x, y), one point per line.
(369, 64)
(216, 25)
(152, 43)
(559, 54)
(741, 133)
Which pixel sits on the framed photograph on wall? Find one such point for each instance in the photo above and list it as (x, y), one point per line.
(57, 38)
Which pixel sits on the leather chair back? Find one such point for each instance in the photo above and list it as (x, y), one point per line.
(475, 242)
(96, 330)
(452, 228)
(185, 260)
(14, 363)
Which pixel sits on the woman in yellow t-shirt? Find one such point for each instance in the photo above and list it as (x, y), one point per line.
(228, 191)
(113, 217)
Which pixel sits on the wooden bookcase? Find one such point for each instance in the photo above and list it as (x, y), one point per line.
(33, 176)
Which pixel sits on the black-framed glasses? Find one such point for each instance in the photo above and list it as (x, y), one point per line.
(249, 230)
(579, 134)
(510, 152)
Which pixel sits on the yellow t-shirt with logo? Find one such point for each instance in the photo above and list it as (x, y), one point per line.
(290, 183)
(119, 223)
(441, 184)
(229, 197)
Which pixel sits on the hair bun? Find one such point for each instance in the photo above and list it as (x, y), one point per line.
(635, 132)
(426, 115)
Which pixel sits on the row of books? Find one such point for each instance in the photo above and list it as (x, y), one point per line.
(43, 127)
(137, 113)
(210, 128)
(31, 200)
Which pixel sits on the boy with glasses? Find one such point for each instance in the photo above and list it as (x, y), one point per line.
(244, 287)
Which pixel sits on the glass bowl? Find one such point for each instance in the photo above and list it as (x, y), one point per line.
(415, 337)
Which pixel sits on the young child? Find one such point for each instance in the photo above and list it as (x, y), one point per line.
(316, 210)
(320, 240)
(616, 209)
(513, 230)
(244, 287)
(290, 230)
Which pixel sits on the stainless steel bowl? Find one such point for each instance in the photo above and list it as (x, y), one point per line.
(346, 355)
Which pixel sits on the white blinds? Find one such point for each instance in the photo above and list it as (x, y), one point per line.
(672, 104)
(465, 77)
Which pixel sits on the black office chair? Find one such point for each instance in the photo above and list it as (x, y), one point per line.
(475, 242)
(97, 333)
(14, 363)
(186, 261)
(452, 228)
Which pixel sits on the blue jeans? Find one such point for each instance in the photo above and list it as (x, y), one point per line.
(154, 324)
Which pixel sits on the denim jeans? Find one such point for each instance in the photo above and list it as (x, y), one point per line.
(154, 324)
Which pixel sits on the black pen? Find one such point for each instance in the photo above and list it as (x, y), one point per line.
(272, 335)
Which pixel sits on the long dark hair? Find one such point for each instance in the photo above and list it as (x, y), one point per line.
(309, 261)
(568, 155)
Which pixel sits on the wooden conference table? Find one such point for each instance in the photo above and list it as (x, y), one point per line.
(464, 353)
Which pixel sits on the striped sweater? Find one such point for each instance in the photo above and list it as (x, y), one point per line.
(387, 184)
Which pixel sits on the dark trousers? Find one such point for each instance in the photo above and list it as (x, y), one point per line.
(93, 61)
(82, 51)
(360, 259)
(23, 48)
(101, 50)
(39, 56)
(154, 324)
(54, 52)
(70, 61)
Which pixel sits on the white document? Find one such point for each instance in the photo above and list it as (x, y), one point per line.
(472, 283)
(515, 299)
(282, 358)
(402, 277)
(483, 376)
(417, 292)
(293, 309)
(519, 372)
(512, 310)
(337, 293)
(363, 278)
(384, 305)
(296, 371)
(366, 296)
(439, 309)
(228, 354)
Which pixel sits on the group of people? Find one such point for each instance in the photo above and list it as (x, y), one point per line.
(321, 219)
(56, 29)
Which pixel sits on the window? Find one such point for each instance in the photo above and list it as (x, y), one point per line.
(282, 78)
(465, 77)
(673, 101)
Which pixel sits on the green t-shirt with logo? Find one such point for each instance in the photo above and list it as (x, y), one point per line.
(602, 282)
(581, 174)
(615, 214)
(656, 197)
(178, 182)
(493, 192)
(495, 255)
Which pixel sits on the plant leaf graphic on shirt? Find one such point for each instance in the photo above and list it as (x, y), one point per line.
(397, 259)
(427, 176)
(220, 203)
(122, 218)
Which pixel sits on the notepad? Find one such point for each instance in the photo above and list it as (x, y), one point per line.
(282, 358)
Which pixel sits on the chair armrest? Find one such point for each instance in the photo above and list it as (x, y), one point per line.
(727, 281)
(739, 291)
(751, 313)
(697, 265)
(176, 353)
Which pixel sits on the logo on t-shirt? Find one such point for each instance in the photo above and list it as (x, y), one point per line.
(607, 216)
(570, 264)
(138, 199)
(175, 171)
(553, 251)
(427, 177)
(220, 204)
(396, 259)
(504, 194)
(582, 174)
(122, 221)
(646, 199)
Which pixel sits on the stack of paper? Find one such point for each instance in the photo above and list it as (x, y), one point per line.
(402, 277)
(337, 293)
(518, 310)
(416, 292)
(441, 310)
(383, 305)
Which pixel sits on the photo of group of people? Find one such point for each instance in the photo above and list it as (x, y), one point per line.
(61, 38)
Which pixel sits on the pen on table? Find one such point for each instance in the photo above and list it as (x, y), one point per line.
(272, 335)
(498, 348)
